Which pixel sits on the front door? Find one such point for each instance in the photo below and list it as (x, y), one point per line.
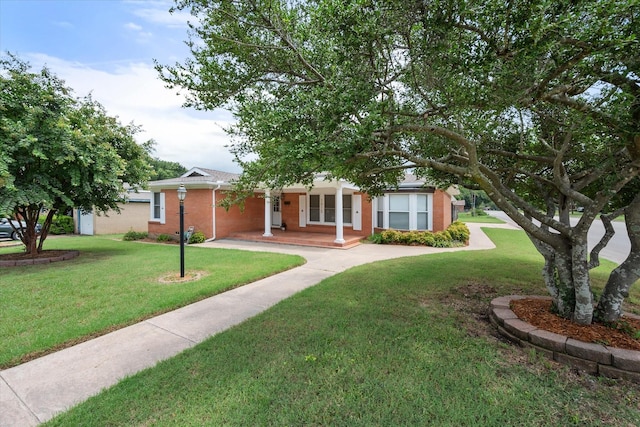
(276, 213)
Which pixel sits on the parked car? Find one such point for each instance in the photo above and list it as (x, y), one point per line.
(6, 231)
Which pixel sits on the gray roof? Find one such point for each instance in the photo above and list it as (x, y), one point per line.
(412, 181)
(197, 177)
(212, 174)
(211, 178)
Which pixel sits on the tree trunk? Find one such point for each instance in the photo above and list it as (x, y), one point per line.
(566, 277)
(46, 227)
(626, 274)
(583, 310)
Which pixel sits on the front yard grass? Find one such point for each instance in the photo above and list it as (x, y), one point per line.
(484, 219)
(400, 342)
(110, 285)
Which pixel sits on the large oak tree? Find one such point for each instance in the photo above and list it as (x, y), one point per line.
(58, 152)
(535, 102)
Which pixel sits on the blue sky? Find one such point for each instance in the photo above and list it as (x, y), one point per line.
(107, 48)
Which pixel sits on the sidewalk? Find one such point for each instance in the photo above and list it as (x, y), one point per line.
(36, 391)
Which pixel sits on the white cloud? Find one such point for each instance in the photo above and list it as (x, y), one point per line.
(140, 35)
(134, 93)
(132, 26)
(157, 12)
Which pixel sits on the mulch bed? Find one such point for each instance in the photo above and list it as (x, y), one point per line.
(538, 313)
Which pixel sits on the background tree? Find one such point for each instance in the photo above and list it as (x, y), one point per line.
(535, 102)
(164, 169)
(475, 198)
(59, 152)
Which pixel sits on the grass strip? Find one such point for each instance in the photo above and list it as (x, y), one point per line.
(482, 219)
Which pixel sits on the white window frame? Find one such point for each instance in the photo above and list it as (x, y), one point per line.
(322, 208)
(383, 202)
(161, 218)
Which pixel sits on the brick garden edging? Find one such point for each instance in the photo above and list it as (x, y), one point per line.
(593, 358)
(30, 261)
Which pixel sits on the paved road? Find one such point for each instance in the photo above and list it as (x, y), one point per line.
(618, 248)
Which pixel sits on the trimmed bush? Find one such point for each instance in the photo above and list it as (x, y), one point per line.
(61, 224)
(197, 237)
(456, 235)
(163, 238)
(135, 235)
(459, 231)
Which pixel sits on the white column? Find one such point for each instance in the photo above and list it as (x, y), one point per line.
(267, 214)
(339, 219)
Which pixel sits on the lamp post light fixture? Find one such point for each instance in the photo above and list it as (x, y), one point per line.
(182, 193)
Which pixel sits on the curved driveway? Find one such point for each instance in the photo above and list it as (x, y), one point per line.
(35, 391)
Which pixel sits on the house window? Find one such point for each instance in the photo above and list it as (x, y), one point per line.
(329, 208)
(422, 211)
(314, 208)
(156, 205)
(157, 208)
(399, 211)
(404, 211)
(322, 208)
(346, 209)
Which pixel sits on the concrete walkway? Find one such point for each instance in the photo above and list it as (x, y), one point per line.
(36, 391)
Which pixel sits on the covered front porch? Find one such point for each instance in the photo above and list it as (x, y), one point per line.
(301, 238)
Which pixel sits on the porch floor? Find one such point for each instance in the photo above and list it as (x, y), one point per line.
(301, 238)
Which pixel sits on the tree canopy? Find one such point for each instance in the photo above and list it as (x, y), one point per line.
(164, 169)
(535, 102)
(59, 152)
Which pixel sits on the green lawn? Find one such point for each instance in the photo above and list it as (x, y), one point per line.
(111, 284)
(485, 219)
(400, 342)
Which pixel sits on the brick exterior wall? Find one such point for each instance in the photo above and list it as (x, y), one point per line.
(441, 210)
(251, 218)
(199, 212)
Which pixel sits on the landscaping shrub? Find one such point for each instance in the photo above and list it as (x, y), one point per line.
(135, 235)
(197, 237)
(61, 224)
(459, 231)
(163, 238)
(456, 235)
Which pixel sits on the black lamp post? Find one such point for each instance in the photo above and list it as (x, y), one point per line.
(182, 193)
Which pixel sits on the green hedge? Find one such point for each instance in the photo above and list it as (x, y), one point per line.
(197, 237)
(456, 235)
(60, 224)
(135, 235)
(163, 238)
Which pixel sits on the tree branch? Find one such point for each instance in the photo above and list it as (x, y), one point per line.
(609, 232)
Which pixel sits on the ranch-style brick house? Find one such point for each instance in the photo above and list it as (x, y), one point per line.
(334, 212)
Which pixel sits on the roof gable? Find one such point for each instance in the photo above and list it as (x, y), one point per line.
(212, 174)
